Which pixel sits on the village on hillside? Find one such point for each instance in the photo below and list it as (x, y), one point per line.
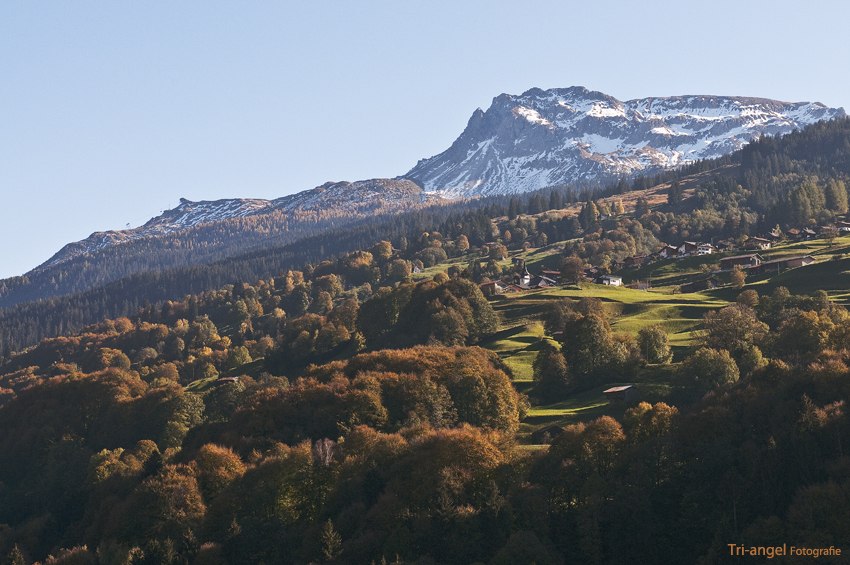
(749, 261)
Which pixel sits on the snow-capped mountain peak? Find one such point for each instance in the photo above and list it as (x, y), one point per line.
(564, 136)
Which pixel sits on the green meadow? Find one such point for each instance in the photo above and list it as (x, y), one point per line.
(521, 334)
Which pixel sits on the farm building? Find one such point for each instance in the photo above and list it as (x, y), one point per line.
(668, 252)
(636, 260)
(537, 282)
(779, 264)
(554, 275)
(494, 287)
(620, 394)
(688, 248)
(610, 280)
(226, 380)
(546, 434)
(744, 260)
(696, 286)
(757, 243)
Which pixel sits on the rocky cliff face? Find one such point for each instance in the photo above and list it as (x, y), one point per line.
(565, 136)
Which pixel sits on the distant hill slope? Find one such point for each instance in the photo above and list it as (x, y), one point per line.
(198, 233)
(565, 136)
(342, 201)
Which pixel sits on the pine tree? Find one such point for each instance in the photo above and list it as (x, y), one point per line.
(513, 209)
(836, 197)
(15, 557)
(331, 543)
(574, 230)
(642, 207)
(674, 193)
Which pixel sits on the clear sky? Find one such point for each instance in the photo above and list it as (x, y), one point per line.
(112, 111)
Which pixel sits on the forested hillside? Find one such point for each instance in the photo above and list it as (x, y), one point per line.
(374, 405)
(134, 442)
(771, 182)
(200, 245)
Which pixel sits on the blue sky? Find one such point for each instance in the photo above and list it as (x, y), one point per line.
(110, 112)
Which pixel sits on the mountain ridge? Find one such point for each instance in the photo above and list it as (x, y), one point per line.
(564, 136)
(371, 196)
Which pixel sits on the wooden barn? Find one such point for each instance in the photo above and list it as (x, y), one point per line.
(622, 394)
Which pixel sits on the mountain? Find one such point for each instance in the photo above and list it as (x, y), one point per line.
(331, 200)
(566, 136)
(521, 143)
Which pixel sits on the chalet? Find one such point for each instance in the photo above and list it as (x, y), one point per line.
(416, 269)
(493, 287)
(688, 248)
(622, 394)
(823, 231)
(750, 260)
(773, 236)
(793, 234)
(779, 264)
(800, 261)
(610, 280)
(757, 243)
(546, 434)
(636, 260)
(725, 245)
(591, 273)
(696, 286)
(704, 249)
(842, 225)
(808, 233)
(668, 252)
(541, 282)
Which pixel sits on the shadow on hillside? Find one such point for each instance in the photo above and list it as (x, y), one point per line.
(506, 333)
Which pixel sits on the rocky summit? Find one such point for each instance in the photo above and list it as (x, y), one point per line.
(567, 136)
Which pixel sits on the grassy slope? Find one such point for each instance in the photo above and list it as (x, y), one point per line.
(521, 336)
(521, 333)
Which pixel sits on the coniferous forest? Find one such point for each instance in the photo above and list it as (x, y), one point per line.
(364, 395)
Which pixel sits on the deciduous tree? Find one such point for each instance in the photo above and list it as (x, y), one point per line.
(654, 344)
